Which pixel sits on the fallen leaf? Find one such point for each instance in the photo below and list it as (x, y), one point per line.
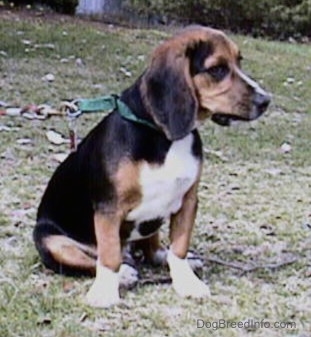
(83, 317)
(45, 46)
(24, 141)
(126, 72)
(68, 286)
(274, 171)
(48, 78)
(98, 325)
(26, 42)
(44, 321)
(286, 148)
(5, 128)
(60, 157)
(80, 62)
(217, 154)
(55, 137)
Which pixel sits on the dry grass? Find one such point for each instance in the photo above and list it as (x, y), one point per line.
(254, 222)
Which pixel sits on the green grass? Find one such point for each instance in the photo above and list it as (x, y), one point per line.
(254, 199)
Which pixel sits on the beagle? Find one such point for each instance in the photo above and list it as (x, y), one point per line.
(126, 178)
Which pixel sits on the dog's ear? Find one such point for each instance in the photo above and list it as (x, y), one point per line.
(169, 93)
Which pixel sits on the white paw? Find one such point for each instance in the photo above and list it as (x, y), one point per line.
(101, 298)
(184, 280)
(104, 292)
(128, 276)
(191, 288)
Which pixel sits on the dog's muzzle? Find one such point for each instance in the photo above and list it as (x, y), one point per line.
(261, 101)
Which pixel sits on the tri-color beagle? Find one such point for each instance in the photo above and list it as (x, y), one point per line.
(126, 179)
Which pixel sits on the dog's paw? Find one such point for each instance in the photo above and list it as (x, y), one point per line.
(159, 258)
(128, 276)
(104, 292)
(191, 287)
(98, 297)
(184, 280)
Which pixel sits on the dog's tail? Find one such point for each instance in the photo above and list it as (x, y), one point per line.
(62, 254)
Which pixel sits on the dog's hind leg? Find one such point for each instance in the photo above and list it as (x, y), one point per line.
(63, 254)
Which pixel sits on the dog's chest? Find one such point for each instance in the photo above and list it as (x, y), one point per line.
(163, 187)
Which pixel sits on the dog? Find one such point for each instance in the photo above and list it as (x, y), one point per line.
(127, 178)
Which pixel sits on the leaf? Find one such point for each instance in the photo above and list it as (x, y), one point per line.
(286, 148)
(98, 325)
(24, 141)
(55, 137)
(48, 78)
(274, 171)
(5, 128)
(60, 157)
(44, 321)
(126, 72)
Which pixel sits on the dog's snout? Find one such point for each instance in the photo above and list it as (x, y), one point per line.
(262, 101)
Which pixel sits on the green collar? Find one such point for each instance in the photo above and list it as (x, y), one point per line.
(110, 103)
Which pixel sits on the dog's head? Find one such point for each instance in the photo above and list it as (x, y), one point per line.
(196, 74)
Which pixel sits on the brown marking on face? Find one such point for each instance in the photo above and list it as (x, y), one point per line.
(229, 95)
(235, 94)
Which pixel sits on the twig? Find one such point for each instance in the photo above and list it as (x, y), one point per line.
(217, 154)
(155, 280)
(249, 269)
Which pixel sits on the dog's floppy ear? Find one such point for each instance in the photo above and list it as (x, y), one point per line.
(169, 93)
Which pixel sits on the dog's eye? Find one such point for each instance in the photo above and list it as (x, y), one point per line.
(218, 72)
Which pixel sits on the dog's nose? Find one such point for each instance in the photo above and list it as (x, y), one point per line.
(261, 100)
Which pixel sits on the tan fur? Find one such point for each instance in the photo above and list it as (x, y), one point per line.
(69, 252)
(182, 222)
(127, 183)
(107, 228)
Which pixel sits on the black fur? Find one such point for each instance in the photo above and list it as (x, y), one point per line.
(197, 55)
(171, 99)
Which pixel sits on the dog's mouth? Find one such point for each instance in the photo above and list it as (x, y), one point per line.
(260, 103)
(224, 119)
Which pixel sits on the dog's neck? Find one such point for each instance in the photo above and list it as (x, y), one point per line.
(133, 99)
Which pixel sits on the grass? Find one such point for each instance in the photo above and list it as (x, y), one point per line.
(254, 199)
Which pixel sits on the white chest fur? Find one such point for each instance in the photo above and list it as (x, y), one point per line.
(163, 187)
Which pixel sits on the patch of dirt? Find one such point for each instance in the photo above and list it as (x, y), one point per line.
(45, 15)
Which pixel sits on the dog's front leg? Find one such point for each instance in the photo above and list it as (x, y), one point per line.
(105, 290)
(185, 281)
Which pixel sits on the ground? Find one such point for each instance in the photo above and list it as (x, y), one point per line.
(254, 222)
